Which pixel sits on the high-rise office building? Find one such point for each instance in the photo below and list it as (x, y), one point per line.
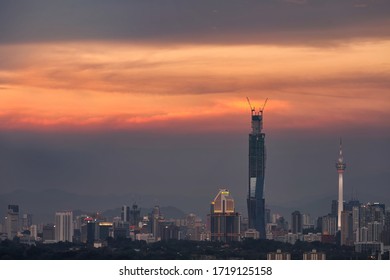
(64, 226)
(334, 207)
(34, 231)
(195, 228)
(340, 166)
(88, 231)
(350, 204)
(12, 221)
(125, 213)
(374, 231)
(168, 231)
(296, 222)
(104, 230)
(385, 236)
(135, 215)
(329, 225)
(224, 221)
(121, 229)
(257, 158)
(48, 233)
(307, 222)
(267, 216)
(355, 223)
(155, 218)
(26, 221)
(347, 234)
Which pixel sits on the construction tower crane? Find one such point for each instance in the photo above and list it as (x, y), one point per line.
(253, 109)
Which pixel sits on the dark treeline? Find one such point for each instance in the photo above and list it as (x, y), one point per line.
(173, 249)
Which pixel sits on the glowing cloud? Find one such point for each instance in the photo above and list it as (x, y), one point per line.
(121, 85)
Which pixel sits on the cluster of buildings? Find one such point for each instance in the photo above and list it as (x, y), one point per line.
(15, 224)
(365, 226)
(95, 229)
(223, 224)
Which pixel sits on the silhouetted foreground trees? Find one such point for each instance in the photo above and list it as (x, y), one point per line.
(125, 249)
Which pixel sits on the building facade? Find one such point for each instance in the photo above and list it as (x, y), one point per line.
(125, 213)
(329, 225)
(12, 221)
(296, 222)
(314, 255)
(48, 233)
(135, 215)
(224, 221)
(279, 255)
(346, 237)
(64, 226)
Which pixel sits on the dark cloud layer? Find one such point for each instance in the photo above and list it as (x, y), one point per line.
(194, 21)
(195, 166)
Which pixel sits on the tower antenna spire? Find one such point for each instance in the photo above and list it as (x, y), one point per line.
(341, 158)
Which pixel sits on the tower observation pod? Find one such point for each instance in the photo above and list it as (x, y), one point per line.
(340, 166)
(257, 158)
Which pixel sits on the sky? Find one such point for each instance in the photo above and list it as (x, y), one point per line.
(149, 97)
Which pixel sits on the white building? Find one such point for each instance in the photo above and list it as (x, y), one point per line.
(64, 226)
(374, 231)
(34, 231)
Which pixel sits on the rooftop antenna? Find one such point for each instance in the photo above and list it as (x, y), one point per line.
(341, 150)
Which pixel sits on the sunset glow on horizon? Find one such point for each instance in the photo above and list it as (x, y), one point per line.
(122, 85)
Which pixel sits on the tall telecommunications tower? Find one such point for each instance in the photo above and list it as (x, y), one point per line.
(340, 166)
(255, 200)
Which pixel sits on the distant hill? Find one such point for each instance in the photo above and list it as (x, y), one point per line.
(167, 211)
(44, 204)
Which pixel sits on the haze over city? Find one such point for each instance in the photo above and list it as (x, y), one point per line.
(149, 98)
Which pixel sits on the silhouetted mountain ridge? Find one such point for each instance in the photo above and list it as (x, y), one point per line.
(44, 204)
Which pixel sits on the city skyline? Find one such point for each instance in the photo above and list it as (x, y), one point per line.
(364, 226)
(120, 98)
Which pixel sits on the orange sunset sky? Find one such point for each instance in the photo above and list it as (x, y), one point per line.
(125, 85)
(314, 78)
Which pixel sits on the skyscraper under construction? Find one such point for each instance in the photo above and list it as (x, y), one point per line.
(257, 158)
